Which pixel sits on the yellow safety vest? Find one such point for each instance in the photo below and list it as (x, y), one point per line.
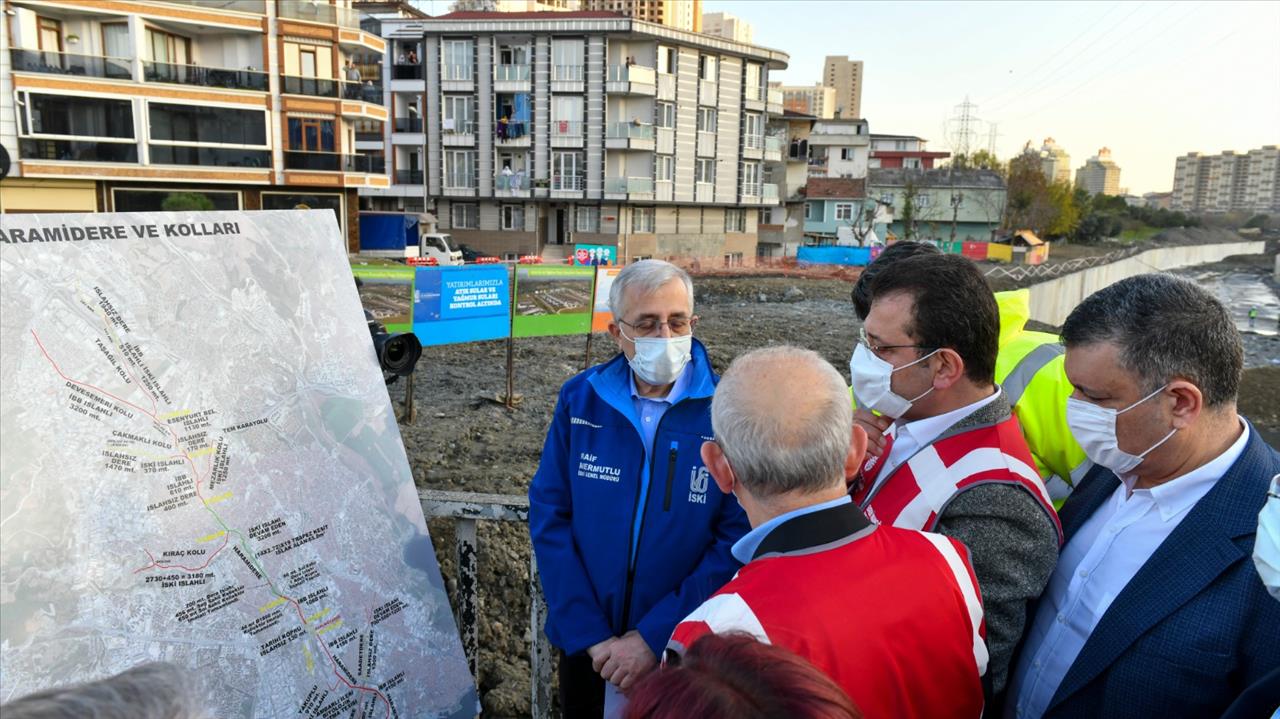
(1030, 369)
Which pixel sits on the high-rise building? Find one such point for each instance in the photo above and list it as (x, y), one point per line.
(514, 5)
(1228, 182)
(1099, 175)
(816, 100)
(679, 14)
(845, 76)
(145, 106)
(1055, 163)
(729, 27)
(541, 132)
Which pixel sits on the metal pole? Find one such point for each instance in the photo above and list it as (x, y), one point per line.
(586, 360)
(409, 412)
(511, 379)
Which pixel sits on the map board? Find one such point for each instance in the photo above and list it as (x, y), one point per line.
(386, 291)
(552, 301)
(461, 304)
(201, 465)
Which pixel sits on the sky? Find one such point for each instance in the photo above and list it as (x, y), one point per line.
(1150, 80)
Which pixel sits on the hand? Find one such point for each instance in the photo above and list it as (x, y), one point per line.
(875, 427)
(599, 653)
(629, 659)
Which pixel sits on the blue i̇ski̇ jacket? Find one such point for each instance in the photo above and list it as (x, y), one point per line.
(584, 499)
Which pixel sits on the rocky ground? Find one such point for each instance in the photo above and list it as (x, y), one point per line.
(463, 440)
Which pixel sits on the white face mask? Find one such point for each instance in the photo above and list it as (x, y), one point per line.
(872, 382)
(660, 360)
(1094, 428)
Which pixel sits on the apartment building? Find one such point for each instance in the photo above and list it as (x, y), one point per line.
(729, 27)
(817, 100)
(902, 151)
(528, 133)
(950, 205)
(142, 106)
(679, 14)
(1228, 182)
(839, 148)
(781, 228)
(845, 76)
(1055, 163)
(1099, 174)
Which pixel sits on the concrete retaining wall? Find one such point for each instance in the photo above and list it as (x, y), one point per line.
(1053, 300)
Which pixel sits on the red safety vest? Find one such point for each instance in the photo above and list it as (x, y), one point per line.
(919, 489)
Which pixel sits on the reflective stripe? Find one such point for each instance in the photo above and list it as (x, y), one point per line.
(1058, 488)
(965, 581)
(1016, 382)
(728, 613)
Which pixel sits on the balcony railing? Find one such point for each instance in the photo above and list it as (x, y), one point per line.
(515, 181)
(368, 136)
(631, 73)
(511, 131)
(566, 128)
(320, 12)
(78, 150)
(774, 97)
(458, 127)
(754, 93)
(773, 144)
(314, 86)
(752, 142)
(408, 177)
(257, 7)
(208, 156)
(629, 130)
(406, 71)
(769, 191)
(511, 73)
(570, 183)
(367, 91)
(566, 73)
(368, 164)
(65, 63)
(460, 180)
(407, 124)
(628, 185)
(458, 73)
(751, 189)
(204, 76)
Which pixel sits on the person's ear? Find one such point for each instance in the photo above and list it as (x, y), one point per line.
(614, 331)
(949, 368)
(857, 451)
(1188, 403)
(718, 466)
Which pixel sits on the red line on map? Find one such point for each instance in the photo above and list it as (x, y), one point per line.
(155, 564)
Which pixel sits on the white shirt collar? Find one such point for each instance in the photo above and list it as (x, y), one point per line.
(1180, 493)
(927, 429)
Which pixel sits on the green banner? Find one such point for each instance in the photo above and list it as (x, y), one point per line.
(386, 291)
(552, 301)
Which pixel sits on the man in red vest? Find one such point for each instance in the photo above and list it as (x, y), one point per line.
(954, 461)
(893, 616)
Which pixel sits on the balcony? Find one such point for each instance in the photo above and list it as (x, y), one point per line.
(773, 148)
(319, 12)
(367, 91)
(769, 193)
(456, 77)
(631, 80)
(514, 185)
(456, 133)
(568, 186)
(666, 87)
(368, 136)
(256, 7)
(202, 76)
(334, 162)
(313, 86)
(513, 134)
(65, 63)
(708, 93)
(567, 78)
(367, 164)
(752, 146)
(409, 177)
(459, 184)
(773, 102)
(751, 193)
(753, 98)
(406, 71)
(208, 156)
(511, 78)
(566, 133)
(628, 136)
(78, 150)
(754, 94)
(406, 124)
(633, 187)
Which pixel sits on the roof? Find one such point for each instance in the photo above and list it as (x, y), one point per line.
(835, 188)
(1028, 237)
(798, 115)
(942, 177)
(535, 15)
(880, 136)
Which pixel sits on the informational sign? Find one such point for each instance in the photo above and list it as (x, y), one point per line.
(594, 255)
(601, 314)
(201, 464)
(386, 291)
(461, 304)
(552, 301)
(834, 255)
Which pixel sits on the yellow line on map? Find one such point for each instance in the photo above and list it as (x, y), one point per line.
(201, 452)
(221, 497)
(178, 413)
(336, 623)
(272, 604)
(211, 537)
(311, 663)
(317, 616)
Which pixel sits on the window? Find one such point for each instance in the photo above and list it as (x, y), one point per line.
(812, 211)
(310, 134)
(922, 200)
(887, 198)
(847, 153)
(751, 178)
(49, 37)
(667, 60)
(513, 217)
(586, 218)
(752, 81)
(459, 169)
(735, 220)
(664, 168)
(844, 211)
(566, 115)
(706, 119)
(704, 170)
(464, 216)
(665, 114)
(174, 49)
(899, 144)
(707, 67)
(115, 40)
(126, 200)
(457, 60)
(78, 116)
(315, 201)
(567, 59)
(764, 216)
(642, 219)
(567, 169)
(214, 125)
(457, 114)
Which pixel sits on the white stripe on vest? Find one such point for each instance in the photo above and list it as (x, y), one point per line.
(729, 613)
(965, 581)
(938, 482)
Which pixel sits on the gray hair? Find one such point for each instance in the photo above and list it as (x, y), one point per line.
(783, 417)
(1166, 328)
(647, 276)
(149, 691)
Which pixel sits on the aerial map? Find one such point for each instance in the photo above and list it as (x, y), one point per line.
(201, 465)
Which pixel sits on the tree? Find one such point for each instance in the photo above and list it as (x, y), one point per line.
(1065, 212)
(186, 202)
(978, 160)
(1258, 221)
(909, 195)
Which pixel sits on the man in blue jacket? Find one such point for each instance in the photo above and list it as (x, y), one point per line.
(629, 533)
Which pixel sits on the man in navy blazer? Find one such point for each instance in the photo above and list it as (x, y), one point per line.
(1154, 609)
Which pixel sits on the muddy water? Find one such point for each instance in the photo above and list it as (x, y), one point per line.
(1240, 292)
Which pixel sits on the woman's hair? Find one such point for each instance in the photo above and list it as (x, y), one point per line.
(733, 676)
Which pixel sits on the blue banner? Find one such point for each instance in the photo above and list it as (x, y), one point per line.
(461, 304)
(833, 255)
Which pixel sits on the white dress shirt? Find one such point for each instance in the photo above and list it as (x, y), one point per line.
(909, 437)
(1095, 566)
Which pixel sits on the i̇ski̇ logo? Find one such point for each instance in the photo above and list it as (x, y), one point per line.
(698, 485)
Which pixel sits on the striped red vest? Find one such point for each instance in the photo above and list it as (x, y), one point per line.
(965, 456)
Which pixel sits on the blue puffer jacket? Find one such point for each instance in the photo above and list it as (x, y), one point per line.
(584, 501)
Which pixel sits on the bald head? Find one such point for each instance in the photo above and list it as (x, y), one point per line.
(783, 419)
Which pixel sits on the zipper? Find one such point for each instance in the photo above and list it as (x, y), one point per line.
(671, 475)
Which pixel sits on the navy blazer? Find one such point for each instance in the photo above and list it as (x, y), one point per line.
(1194, 627)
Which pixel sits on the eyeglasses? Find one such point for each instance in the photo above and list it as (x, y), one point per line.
(862, 337)
(649, 327)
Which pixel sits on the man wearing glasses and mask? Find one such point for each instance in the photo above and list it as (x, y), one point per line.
(629, 532)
